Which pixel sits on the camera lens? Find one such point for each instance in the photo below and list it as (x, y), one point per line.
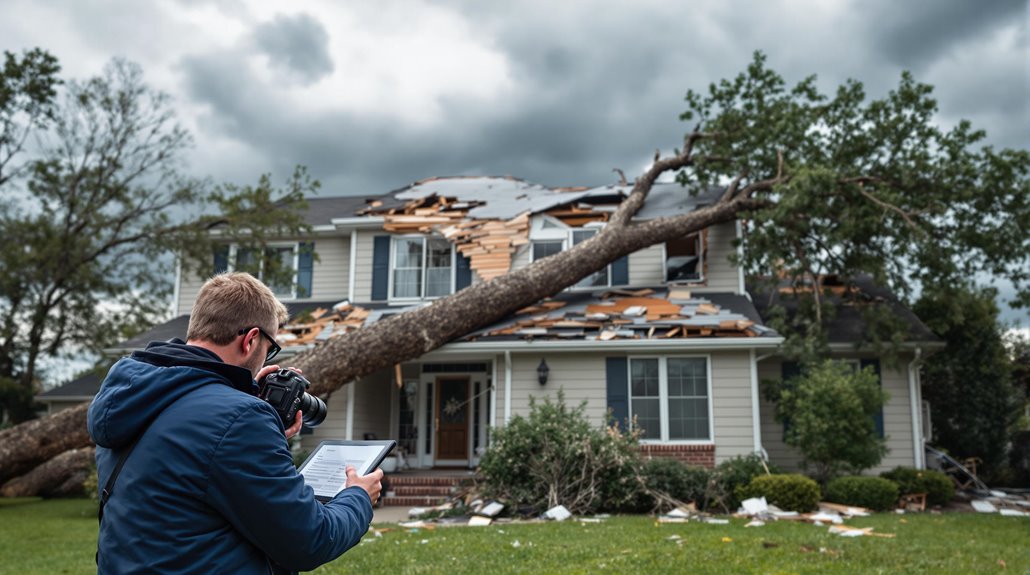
(314, 409)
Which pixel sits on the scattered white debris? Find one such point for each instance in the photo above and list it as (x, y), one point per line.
(478, 521)
(755, 505)
(844, 531)
(417, 511)
(590, 520)
(755, 523)
(412, 524)
(492, 509)
(716, 521)
(983, 506)
(558, 513)
(998, 493)
(827, 517)
(1014, 513)
(516, 544)
(678, 512)
(673, 538)
(424, 541)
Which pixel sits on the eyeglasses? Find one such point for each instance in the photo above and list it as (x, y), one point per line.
(272, 351)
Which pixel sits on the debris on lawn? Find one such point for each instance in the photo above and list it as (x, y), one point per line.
(847, 531)
(1014, 503)
(983, 506)
(558, 513)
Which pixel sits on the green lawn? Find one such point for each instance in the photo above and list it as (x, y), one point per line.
(59, 537)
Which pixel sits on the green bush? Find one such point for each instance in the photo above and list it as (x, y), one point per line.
(90, 485)
(937, 486)
(674, 478)
(556, 456)
(875, 493)
(734, 473)
(790, 492)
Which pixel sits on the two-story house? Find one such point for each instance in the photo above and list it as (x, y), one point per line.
(668, 337)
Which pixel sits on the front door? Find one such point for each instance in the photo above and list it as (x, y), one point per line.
(452, 418)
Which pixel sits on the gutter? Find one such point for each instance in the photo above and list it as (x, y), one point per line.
(653, 345)
(915, 405)
(357, 223)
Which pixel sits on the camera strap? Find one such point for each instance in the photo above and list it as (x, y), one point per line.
(108, 490)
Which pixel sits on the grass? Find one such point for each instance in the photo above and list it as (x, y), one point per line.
(59, 537)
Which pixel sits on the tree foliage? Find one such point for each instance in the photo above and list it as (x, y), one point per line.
(873, 187)
(98, 213)
(829, 412)
(968, 384)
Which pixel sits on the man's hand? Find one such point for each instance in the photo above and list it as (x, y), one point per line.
(371, 483)
(295, 428)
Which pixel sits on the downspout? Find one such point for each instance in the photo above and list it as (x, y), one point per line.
(350, 410)
(913, 393)
(507, 386)
(353, 265)
(178, 281)
(756, 424)
(493, 398)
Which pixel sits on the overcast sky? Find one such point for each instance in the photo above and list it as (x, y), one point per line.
(374, 95)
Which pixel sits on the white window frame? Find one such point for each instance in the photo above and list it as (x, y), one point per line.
(702, 241)
(234, 249)
(425, 267)
(563, 233)
(663, 397)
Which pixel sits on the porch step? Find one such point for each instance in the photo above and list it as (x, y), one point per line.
(415, 489)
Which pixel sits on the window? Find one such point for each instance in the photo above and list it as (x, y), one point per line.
(279, 265)
(422, 267)
(549, 240)
(669, 398)
(684, 259)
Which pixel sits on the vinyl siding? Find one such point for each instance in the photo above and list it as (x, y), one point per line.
(371, 411)
(897, 421)
(329, 275)
(582, 378)
(647, 266)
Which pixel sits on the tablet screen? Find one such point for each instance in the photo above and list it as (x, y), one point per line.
(325, 469)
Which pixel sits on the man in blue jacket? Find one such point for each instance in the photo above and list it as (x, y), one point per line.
(209, 485)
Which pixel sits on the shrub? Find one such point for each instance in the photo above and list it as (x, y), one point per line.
(555, 456)
(831, 409)
(791, 492)
(90, 485)
(733, 473)
(937, 486)
(875, 493)
(674, 478)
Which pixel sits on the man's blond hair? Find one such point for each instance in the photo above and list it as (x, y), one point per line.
(230, 302)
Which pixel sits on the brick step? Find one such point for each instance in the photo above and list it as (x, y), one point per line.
(413, 501)
(422, 490)
(426, 480)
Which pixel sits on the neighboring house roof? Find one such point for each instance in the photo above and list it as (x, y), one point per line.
(82, 388)
(848, 325)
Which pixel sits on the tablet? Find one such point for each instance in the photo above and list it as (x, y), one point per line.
(324, 470)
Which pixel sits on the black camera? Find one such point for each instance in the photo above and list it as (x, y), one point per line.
(286, 391)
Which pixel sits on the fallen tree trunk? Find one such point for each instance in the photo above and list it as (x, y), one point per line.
(25, 446)
(62, 476)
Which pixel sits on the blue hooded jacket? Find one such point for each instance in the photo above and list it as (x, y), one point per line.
(211, 486)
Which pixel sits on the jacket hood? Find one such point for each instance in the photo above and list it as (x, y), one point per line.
(141, 386)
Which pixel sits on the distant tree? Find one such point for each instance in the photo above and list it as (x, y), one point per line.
(94, 218)
(968, 383)
(830, 410)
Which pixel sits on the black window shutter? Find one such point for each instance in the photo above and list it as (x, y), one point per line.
(305, 268)
(620, 271)
(617, 373)
(788, 370)
(463, 277)
(875, 364)
(221, 259)
(380, 268)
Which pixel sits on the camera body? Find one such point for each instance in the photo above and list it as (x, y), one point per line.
(286, 391)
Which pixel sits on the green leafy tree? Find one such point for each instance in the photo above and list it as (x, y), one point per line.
(974, 404)
(96, 218)
(829, 411)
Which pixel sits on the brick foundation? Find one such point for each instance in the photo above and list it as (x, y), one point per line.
(702, 455)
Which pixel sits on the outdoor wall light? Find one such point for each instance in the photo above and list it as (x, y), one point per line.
(542, 370)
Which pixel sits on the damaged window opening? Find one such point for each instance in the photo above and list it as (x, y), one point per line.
(684, 259)
(669, 398)
(281, 258)
(422, 268)
(543, 248)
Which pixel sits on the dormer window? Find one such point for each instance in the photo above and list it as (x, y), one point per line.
(549, 236)
(421, 267)
(684, 259)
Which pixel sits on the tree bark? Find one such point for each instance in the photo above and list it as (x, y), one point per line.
(25, 446)
(62, 476)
